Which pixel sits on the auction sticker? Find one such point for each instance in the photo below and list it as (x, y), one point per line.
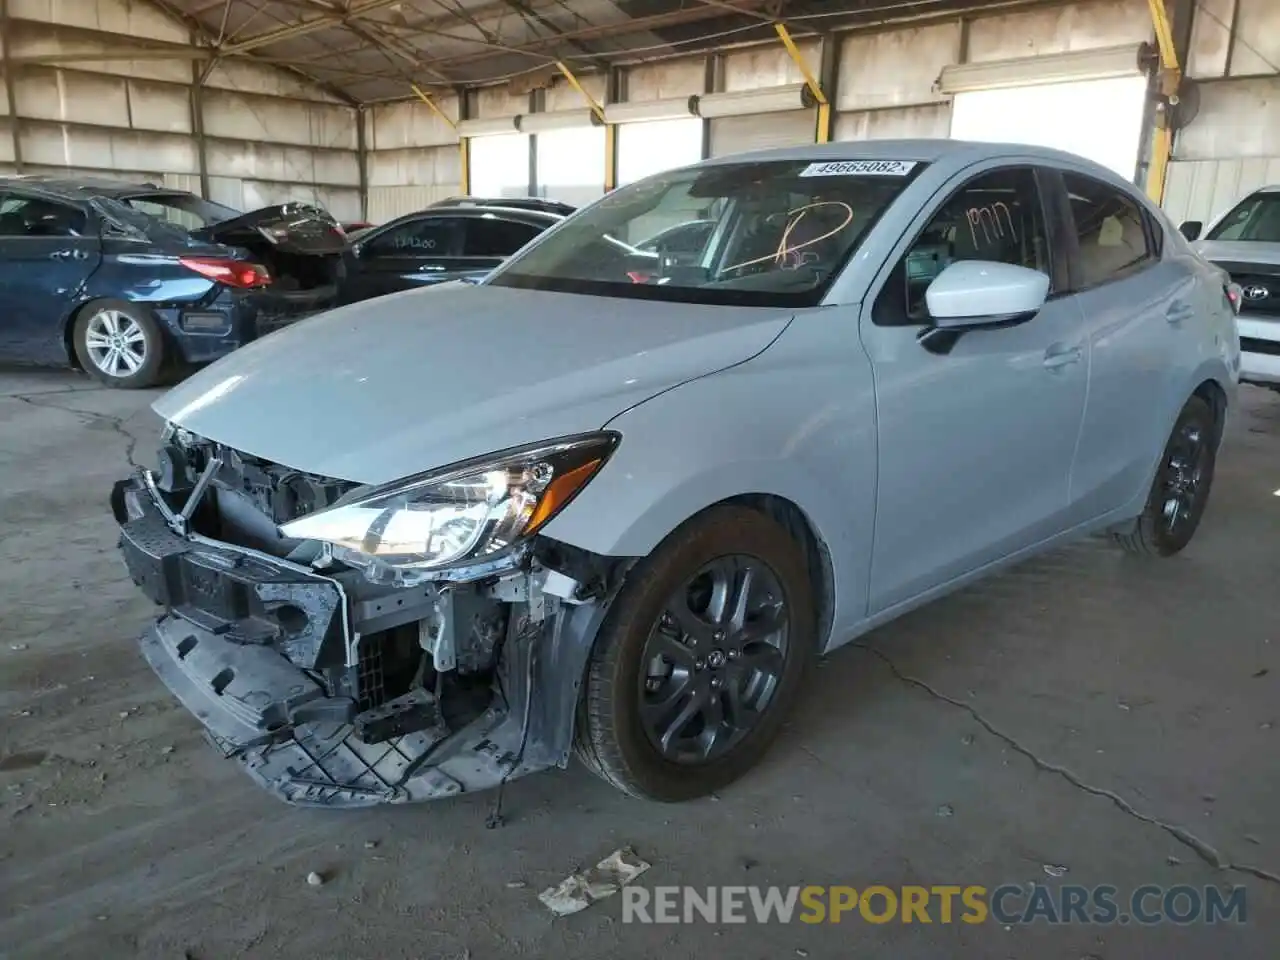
(848, 168)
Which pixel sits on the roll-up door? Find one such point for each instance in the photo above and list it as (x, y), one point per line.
(654, 146)
(571, 164)
(1091, 103)
(500, 165)
(761, 132)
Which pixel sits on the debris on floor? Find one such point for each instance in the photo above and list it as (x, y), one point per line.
(946, 810)
(314, 879)
(582, 888)
(23, 760)
(1054, 870)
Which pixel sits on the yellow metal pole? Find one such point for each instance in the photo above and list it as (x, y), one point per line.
(594, 104)
(1170, 76)
(464, 153)
(610, 153)
(823, 133)
(610, 130)
(435, 107)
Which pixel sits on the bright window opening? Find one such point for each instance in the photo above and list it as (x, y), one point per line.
(571, 165)
(657, 145)
(500, 165)
(1097, 119)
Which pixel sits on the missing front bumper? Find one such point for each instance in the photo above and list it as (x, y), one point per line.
(278, 695)
(244, 697)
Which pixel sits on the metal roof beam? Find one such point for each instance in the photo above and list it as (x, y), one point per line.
(304, 27)
(636, 25)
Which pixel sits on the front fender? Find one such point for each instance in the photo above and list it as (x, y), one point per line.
(795, 422)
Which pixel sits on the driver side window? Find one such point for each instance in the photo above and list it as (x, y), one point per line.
(996, 216)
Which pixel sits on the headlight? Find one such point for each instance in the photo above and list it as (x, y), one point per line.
(462, 513)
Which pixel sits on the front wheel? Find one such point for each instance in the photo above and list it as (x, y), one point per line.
(119, 344)
(700, 658)
(1180, 490)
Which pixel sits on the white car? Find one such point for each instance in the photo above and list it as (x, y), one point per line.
(614, 501)
(1246, 243)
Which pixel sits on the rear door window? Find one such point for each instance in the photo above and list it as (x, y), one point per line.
(1111, 232)
(423, 237)
(39, 217)
(492, 237)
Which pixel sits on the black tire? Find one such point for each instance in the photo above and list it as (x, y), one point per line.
(1154, 534)
(144, 366)
(611, 738)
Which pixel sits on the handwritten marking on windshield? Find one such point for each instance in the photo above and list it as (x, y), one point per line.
(785, 251)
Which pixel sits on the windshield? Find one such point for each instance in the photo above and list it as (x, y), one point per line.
(1254, 218)
(185, 210)
(764, 233)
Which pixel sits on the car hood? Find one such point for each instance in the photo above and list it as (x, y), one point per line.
(405, 383)
(1239, 251)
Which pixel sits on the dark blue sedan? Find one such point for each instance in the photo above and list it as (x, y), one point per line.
(128, 280)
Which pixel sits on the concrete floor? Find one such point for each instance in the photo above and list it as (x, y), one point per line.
(1085, 711)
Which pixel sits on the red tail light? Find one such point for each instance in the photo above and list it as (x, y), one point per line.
(234, 273)
(1234, 296)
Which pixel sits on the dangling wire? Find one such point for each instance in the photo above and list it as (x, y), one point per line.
(494, 819)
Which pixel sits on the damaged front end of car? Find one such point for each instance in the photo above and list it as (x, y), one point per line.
(353, 645)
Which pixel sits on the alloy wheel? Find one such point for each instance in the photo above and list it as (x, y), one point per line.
(116, 343)
(714, 659)
(1184, 476)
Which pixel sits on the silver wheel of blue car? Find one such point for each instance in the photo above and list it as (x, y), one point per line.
(119, 344)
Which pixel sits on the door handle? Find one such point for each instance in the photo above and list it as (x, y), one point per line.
(1178, 312)
(1058, 357)
(68, 255)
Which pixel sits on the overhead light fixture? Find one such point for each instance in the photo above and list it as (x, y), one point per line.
(676, 108)
(558, 120)
(740, 103)
(491, 127)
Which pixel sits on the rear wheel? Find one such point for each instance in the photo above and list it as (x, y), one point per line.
(1181, 487)
(119, 344)
(700, 658)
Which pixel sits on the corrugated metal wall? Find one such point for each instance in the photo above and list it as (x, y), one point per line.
(1233, 144)
(886, 79)
(413, 157)
(269, 137)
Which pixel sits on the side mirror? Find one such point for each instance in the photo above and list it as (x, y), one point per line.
(1191, 229)
(983, 293)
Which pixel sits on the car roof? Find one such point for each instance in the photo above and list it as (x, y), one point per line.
(514, 203)
(80, 188)
(958, 153)
(490, 210)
